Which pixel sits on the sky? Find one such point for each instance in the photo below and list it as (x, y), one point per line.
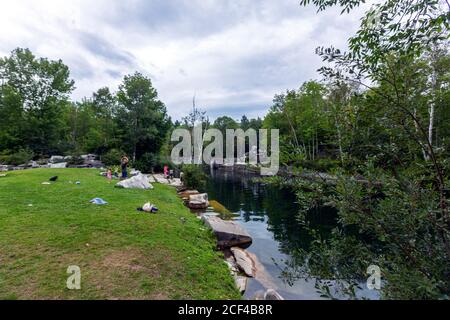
(233, 56)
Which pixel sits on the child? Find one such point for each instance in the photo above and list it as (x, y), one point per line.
(109, 175)
(166, 172)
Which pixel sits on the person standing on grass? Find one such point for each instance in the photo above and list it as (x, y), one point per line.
(124, 164)
(109, 175)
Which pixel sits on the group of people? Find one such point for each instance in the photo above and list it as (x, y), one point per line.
(168, 174)
(124, 161)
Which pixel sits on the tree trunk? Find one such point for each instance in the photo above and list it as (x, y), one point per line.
(432, 110)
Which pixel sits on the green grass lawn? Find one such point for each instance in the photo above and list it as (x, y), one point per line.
(122, 253)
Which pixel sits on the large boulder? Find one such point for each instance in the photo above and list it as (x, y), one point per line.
(245, 261)
(60, 165)
(161, 179)
(33, 164)
(186, 193)
(176, 182)
(88, 157)
(229, 233)
(56, 159)
(272, 294)
(135, 172)
(241, 283)
(198, 201)
(138, 182)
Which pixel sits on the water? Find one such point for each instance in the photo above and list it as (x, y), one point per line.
(269, 213)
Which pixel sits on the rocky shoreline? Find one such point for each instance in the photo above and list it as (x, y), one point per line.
(232, 240)
(88, 161)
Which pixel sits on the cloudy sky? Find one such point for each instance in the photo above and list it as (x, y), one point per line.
(233, 55)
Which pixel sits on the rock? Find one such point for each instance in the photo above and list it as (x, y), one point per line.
(161, 179)
(229, 233)
(88, 157)
(259, 295)
(245, 261)
(231, 262)
(211, 214)
(33, 164)
(56, 159)
(176, 182)
(137, 182)
(241, 283)
(187, 193)
(151, 179)
(198, 201)
(3, 168)
(272, 295)
(60, 165)
(134, 172)
(233, 268)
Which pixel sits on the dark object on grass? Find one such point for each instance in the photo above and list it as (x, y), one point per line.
(54, 178)
(142, 210)
(152, 209)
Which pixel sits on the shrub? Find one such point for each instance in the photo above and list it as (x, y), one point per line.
(323, 165)
(147, 162)
(23, 156)
(163, 161)
(75, 160)
(112, 157)
(193, 177)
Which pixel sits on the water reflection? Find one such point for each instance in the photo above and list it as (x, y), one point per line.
(270, 216)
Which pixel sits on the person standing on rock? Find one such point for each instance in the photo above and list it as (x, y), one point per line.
(124, 164)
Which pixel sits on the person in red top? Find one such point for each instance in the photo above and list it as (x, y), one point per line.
(166, 171)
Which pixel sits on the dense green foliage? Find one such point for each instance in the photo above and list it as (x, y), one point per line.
(37, 117)
(193, 177)
(383, 113)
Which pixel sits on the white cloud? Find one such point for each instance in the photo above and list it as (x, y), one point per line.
(234, 55)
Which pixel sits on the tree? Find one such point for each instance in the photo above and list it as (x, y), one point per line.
(42, 86)
(141, 116)
(104, 105)
(223, 123)
(245, 123)
(397, 218)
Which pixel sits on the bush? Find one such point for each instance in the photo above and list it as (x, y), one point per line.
(323, 165)
(163, 161)
(150, 162)
(112, 157)
(147, 162)
(23, 156)
(193, 177)
(75, 160)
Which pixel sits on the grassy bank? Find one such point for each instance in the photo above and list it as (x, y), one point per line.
(122, 253)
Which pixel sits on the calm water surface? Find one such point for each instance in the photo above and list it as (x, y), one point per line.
(269, 213)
